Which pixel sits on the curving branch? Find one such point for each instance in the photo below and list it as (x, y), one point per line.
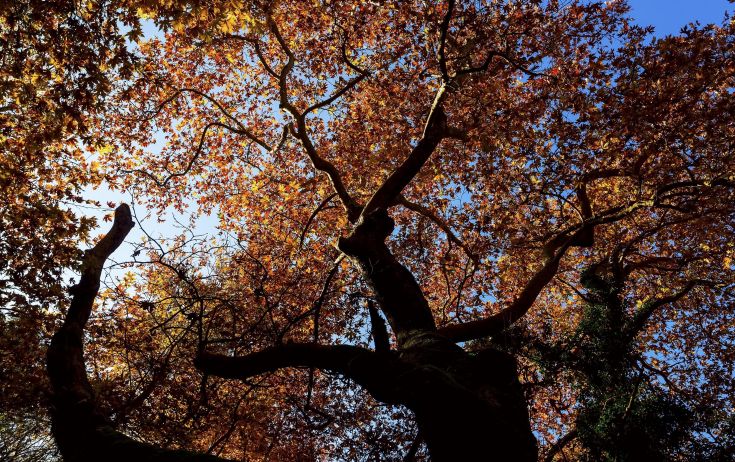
(322, 205)
(190, 164)
(367, 368)
(443, 31)
(577, 235)
(641, 317)
(261, 58)
(346, 58)
(241, 128)
(378, 329)
(553, 252)
(317, 307)
(352, 83)
(498, 322)
(560, 444)
(82, 432)
(301, 131)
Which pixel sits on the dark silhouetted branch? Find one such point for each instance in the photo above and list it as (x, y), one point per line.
(367, 368)
(498, 322)
(378, 329)
(81, 430)
(560, 445)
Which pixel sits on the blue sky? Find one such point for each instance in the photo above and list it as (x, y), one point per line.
(668, 16)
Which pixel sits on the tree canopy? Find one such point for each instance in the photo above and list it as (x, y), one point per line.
(456, 230)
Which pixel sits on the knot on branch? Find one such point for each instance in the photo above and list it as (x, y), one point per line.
(371, 230)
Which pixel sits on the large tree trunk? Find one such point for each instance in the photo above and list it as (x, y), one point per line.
(468, 406)
(472, 408)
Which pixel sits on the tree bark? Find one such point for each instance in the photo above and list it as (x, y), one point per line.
(81, 430)
(468, 406)
(396, 290)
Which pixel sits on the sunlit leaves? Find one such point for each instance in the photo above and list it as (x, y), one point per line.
(570, 115)
(555, 98)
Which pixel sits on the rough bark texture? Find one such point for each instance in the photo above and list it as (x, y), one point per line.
(398, 293)
(468, 407)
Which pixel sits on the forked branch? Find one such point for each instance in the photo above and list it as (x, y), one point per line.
(301, 132)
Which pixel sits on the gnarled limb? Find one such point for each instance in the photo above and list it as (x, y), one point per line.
(336, 358)
(301, 131)
(578, 235)
(378, 329)
(367, 368)
(399, 295)
(81, 430)
(641, 317)
(560, 445)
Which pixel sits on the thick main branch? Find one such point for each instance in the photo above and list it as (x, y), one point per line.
(397, 291)
(369, 369)
(81, 430)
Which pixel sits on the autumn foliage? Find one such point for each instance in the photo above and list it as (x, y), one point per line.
(491, 230)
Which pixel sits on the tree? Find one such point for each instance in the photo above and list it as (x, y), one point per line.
(536, 197)
(56, 59)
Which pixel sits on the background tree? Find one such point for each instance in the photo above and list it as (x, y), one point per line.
(56, 61)
(533, 196)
